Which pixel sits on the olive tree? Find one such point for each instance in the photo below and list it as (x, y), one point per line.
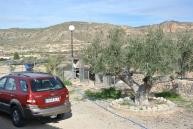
(92, 55)
(184, 47)
(152, 55)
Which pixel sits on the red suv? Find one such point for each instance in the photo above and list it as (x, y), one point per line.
(24, 95)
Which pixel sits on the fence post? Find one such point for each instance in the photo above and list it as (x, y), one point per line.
(88, 76)
(114, 80)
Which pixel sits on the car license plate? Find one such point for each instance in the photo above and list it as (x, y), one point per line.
(54, 99)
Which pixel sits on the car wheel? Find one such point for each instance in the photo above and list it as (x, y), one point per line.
(16, 117)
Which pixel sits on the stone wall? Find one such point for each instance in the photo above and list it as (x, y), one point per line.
(186, 88)
(183, 87)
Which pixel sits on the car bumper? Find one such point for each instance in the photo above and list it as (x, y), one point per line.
(38, 112)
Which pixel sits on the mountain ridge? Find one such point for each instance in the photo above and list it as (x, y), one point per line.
(56, 38)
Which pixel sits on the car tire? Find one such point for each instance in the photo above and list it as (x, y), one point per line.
(16, 117)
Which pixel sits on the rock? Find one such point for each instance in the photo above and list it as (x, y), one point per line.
(127, 99)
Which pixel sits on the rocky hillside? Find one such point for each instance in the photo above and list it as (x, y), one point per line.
(170, 26)
(57, 38)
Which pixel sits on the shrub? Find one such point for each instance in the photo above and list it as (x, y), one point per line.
(168, 95)
(1, 59)
(16, 56)
(67, 83)
(110, 93)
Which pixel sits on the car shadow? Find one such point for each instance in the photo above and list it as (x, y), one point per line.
(5, 122)
(54, 120)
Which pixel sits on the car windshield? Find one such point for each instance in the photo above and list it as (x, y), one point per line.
(46, 84)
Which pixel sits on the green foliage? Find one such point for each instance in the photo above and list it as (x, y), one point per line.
(154, 54)
(106, 57)
(1, 59)
(185, 53)
(52, 65)
(168, 95)
(110, 93)
(112, 54)
(16, 56)
(151, 54)
(92, 55)
(67, 83)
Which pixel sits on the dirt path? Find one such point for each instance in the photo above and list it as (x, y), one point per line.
(86, 115)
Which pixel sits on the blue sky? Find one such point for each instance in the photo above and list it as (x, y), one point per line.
(43, 13)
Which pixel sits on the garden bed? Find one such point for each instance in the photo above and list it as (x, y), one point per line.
(156, 104)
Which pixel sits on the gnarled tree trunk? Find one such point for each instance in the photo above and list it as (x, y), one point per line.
(141, 92)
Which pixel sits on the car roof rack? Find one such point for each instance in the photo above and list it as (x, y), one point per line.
(19, 74)
(30, 74)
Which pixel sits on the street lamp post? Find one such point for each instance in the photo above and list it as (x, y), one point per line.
(72, 28)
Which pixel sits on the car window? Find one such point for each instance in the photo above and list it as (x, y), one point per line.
(46, 84)
(23, 85)
(10, 84)
(2, 82)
